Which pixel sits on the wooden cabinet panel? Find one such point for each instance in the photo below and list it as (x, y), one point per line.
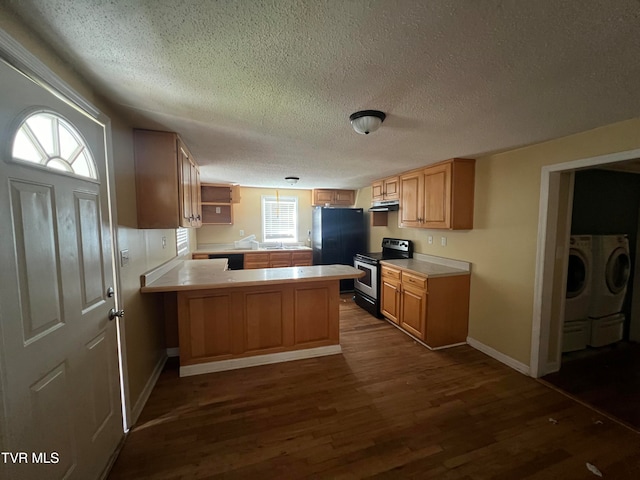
(439, 196)
(323, 196)
(377, 191)
(344, 197)
(392, 188)
(411, 202)
(414, 280)
(301, 259)
(448, 311)
(205, 336)
(219, 324)
(386, 189)
(414, 310)
(279, 259)
(312, 305)
(256, 260)
(390, 272)
(167, 180)
(390, 298)
(264, 320)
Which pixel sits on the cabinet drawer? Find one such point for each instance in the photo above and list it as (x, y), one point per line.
(390, 272)
(256, 260)
(415, 280)
(299, 259)
(280, 257)
(200, 256)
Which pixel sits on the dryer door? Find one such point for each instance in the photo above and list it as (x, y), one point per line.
(618, 270)
(577, 273)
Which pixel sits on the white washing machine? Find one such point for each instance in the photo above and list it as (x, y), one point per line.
(576, 331)
(579, 274)
(610, 274)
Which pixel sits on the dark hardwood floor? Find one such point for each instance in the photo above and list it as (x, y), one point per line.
(607, 378)
(386, 408)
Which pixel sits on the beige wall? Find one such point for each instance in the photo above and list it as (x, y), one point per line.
(502, 245)
(144, 331)
(247, 216)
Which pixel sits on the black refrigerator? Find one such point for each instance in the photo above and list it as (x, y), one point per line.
(337, 235)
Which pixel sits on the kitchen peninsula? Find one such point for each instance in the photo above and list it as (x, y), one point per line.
(240, 318)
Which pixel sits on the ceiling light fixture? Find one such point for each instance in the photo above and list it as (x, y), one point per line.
(366, 121)
(292, 180)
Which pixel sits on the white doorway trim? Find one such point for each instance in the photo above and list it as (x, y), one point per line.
(23, 60)
(546, 256)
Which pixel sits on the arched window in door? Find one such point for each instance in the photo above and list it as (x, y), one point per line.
(49, 140)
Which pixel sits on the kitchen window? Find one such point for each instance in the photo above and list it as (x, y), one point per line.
(279, 219)
(182, 241)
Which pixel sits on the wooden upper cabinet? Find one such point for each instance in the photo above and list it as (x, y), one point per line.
(439, 196)
(217, 200)
(387, 189)
(190, 189)
(167, 181)
(324, 196)
(411, 199)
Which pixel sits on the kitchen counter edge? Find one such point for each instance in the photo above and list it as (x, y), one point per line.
(427, 268)
(198, 279)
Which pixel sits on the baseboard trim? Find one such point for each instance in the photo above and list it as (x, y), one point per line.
(501, 357)
(173, 352)
(235, 363)
(146, 391)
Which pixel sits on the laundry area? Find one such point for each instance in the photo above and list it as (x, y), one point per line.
(600, 337)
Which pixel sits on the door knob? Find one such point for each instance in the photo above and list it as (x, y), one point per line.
(113, 313)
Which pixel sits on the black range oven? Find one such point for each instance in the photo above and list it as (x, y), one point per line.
(367, 288)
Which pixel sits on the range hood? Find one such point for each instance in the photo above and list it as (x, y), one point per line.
(385, 206)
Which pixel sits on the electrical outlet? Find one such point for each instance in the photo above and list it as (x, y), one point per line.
(164, 242)
(430, 239)
(242, 233)
(443, 241)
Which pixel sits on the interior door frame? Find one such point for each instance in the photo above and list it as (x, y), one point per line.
(552, 250)
(23, 60)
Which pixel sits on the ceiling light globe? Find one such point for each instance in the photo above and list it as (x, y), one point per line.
(366, 121)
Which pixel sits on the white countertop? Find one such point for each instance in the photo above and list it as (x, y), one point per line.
(427, 268)
(208, 274)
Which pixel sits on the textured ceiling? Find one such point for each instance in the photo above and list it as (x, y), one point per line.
(263, 89)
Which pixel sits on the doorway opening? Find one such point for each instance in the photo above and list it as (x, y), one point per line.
(604, 376)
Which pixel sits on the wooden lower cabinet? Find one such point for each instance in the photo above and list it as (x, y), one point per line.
(229, 323)
(414, 308)
(301, 259)
(256, 260)
(277, 259)
(434, 310)
(390, 294)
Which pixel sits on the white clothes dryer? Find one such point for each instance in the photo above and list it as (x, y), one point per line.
(579, 274)
(610, 274)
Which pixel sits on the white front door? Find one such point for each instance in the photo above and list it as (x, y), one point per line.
(60, 407)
